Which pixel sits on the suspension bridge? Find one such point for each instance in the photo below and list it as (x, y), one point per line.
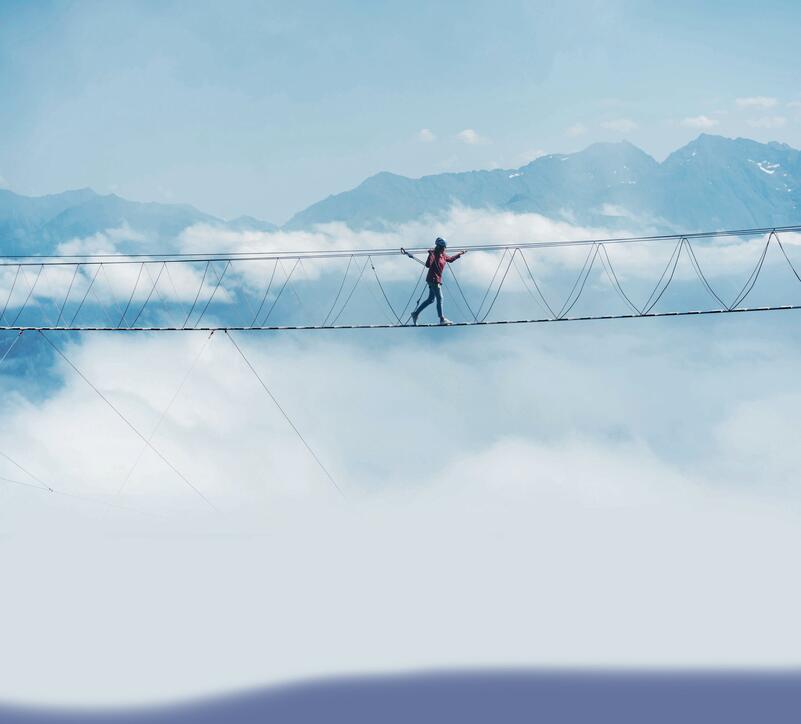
(250, 290)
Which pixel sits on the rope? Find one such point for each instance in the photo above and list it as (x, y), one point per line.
(164, 413)
(128, 422)
(381, 287)
(280, 292)
(102, 306)
(216, 287)
(8, 299)
(492, 281)
(161, 297)
(150, 294)
(588, 262)
(347, 300)
(283, 412)
(30, 292)
(414, 291)
(614, 281)
(536, 286)
(84, 498)
(171, 280)
(752, 279)
(86, 294)
(21, 482)
(498, 291)
(10, 347)
(339, 291)
(266, 293)
(133, 291)
(67, 296)
(781, 246)
(700, 273)
(486, 323)
(449, 267)
(110, 290)
(197, 257)
(42, 484)
(649, 305)
(241, 293)
(197, 295)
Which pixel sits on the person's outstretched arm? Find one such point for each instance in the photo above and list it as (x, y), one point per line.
(456, 256)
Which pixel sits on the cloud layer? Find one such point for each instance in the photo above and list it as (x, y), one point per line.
(608, 494)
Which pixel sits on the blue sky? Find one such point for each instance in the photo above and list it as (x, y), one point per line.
(257, 108)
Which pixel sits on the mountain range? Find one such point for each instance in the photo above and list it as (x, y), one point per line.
(30, 224)
(711, 183)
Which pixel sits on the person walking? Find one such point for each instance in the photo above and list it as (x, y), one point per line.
(437, 259)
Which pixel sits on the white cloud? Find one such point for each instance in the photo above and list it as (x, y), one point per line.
(294, 582)
(620, 125)
(471, 137)
(426, 136)
(756, 102)
(767, 122)
(702, 122)
(577, 129)
(529, 156)
(567, 488)
(103, 242)
(794, 104)
(614, 210)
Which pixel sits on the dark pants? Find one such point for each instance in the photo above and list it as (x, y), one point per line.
(434, 292)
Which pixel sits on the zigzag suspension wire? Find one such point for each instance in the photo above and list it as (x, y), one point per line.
(229, 289)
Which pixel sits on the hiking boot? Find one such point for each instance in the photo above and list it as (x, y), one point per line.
(445, 320)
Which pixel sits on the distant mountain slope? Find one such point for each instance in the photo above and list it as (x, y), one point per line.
(712, 182)
(29, 224)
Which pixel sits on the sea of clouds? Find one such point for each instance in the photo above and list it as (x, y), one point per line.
(580, 494)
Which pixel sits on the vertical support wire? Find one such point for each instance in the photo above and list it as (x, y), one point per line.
(85, 294)
(130, 299)
(149, 295)
(675, 255)
(699, 272)
(197, 295)
(536, 285)
(353, 289)
(280, 292)
(492, 281)
(214, 292)
(339, 291)
(752, 279)
(381, 287)
(500, 286)
(11, 292)
(266, 294)
(459, 287)
(27, 298)
(67, 296)
(606, 262)
(581, 280)
(787, 258)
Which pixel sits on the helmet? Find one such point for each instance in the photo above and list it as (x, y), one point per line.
(440, 242)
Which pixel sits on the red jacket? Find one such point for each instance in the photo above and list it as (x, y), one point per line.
(436, 265)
